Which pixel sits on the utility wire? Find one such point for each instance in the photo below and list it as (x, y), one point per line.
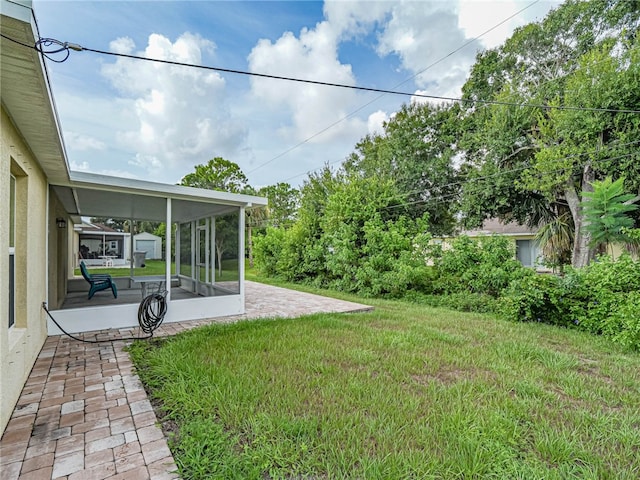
(609, 148)
(447, 198)
(365, 89)
(441, 198)
(79, 48)
(438, 200)
(441, 59)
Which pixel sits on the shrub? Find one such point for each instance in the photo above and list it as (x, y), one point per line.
(486, 266)
(389, 264)
(267, 250)
(601, 289)
(626, 317)
(535, 298)
(602, 298)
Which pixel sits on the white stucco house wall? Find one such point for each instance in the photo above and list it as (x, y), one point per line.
(42, 199)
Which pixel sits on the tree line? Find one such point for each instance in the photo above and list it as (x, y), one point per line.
(545, 120)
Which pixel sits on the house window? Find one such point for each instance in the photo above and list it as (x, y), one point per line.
(100, 245)
(12, 250)
(526, 252)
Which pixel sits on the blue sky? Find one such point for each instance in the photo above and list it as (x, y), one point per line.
(144, 120)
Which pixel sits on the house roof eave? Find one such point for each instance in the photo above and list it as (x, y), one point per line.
(26, 90)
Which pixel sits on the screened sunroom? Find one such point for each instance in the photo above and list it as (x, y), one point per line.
(201, 269)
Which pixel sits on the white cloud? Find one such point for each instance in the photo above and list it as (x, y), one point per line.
(122, 45)
(313, 55)
(82, 166)
(148, 162)
(81, 142)
(375, 123)
(475, 17)
(182, 115)
(422, 34)
(352, 19)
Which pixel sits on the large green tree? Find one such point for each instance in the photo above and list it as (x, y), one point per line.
(223, 175)
(527, 157)
(283, 203)
(577, 147)
(417, 153)
(217, 174)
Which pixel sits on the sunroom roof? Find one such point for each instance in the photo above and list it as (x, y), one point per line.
(89, 194)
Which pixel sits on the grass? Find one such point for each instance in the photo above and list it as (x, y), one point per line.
(152, 267)
(401, 392)
(157, 267)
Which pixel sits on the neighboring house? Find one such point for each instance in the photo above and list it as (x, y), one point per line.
(99, 245)
(528, 250)
(148, 243)
(41, 201)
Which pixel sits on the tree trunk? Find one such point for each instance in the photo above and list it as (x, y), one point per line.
(583, 253)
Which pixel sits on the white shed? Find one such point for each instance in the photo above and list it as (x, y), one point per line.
(149, 243)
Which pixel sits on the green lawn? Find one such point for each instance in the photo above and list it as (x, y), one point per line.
(401, 392)
(152, 267)
(157, 267)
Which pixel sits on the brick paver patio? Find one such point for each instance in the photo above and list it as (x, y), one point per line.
(83, 413)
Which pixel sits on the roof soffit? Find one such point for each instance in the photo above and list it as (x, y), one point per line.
(25, 91)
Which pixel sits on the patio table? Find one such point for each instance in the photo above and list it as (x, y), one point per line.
(156, 282)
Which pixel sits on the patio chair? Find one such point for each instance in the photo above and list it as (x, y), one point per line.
(98, 281)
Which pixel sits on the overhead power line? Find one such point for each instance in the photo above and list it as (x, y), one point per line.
(449, 197)
(364, 89)
(503, 173)
(431, 65)
(74, 46)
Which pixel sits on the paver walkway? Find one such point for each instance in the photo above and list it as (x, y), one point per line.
(83, 413)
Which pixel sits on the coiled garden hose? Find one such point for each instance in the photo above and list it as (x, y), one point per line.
(151, 313)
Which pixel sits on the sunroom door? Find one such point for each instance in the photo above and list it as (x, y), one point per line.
(203, 272)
